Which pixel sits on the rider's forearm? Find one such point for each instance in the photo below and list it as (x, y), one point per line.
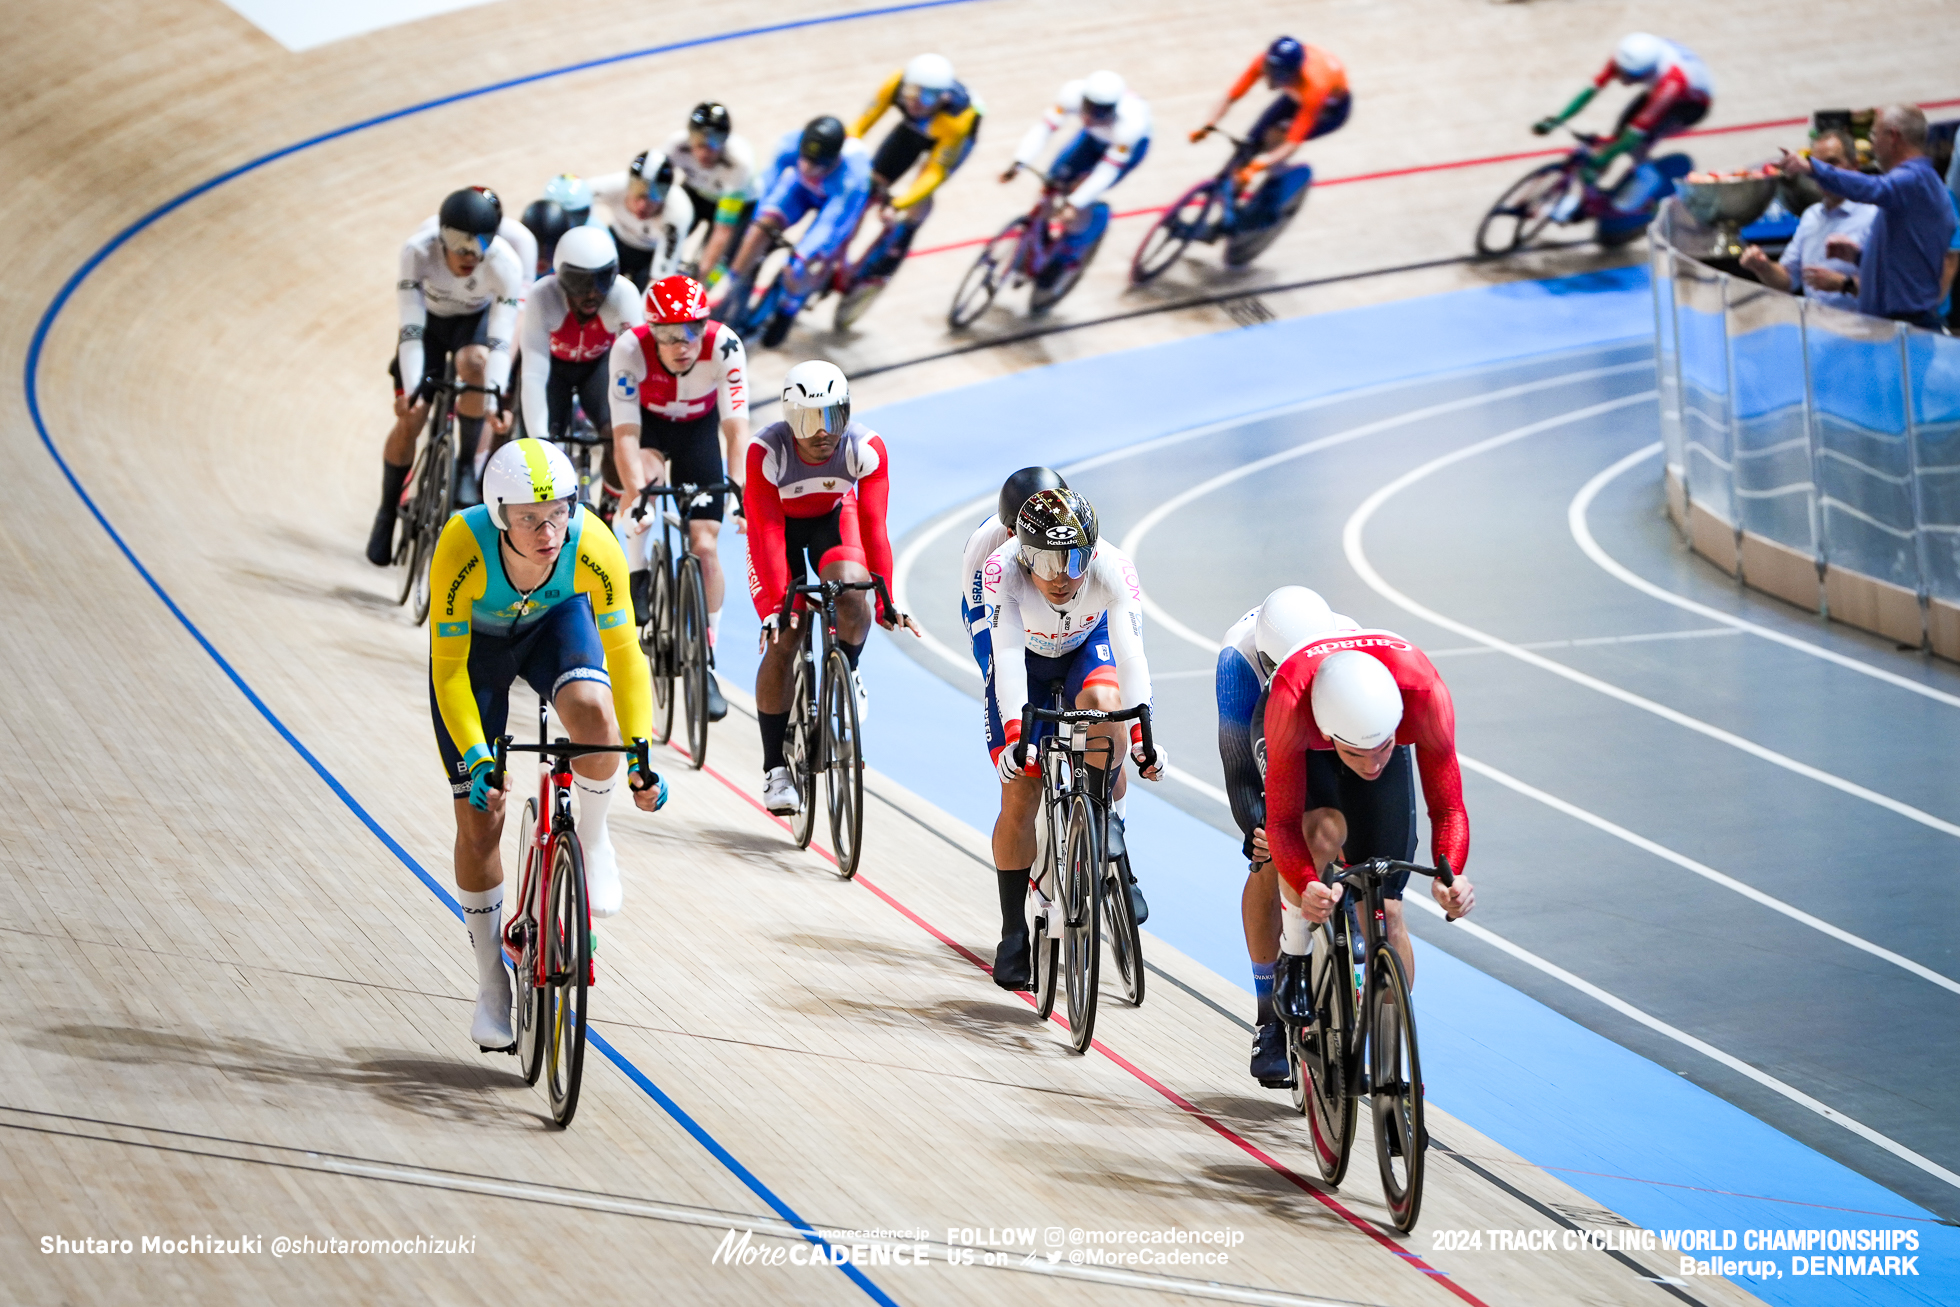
(1579, 101)
(735, 441)
(626, 456)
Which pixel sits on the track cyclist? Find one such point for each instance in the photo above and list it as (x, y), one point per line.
(1066, 609)
(1676, 94)
(458, 292)
(651, 217)
(680, 395)
(1343, 714)
(1313, 102)
(817, 170)
(1113, 140)
(938, 119)
(991, 534)
(1254, 648)
(569, 324)
(529, 583)
(817, 488)
(716, 168)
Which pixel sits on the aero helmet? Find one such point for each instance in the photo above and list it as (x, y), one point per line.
(571, 194)
(816, 398)
(1286, 56)
(1639, 54)
(930, 76)
(711, 120)
(1017, 489)
(1101, 93)
(676, 299)
(547, 222)
(1355, 700)
(587, 263)
(469, 219)
(653, 172)
(823, 141)
(1055, 532)
(1288, 618)
(526, 471)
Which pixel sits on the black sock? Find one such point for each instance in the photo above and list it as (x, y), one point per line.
(1013, 900)
(851, 651)
(775, 725)
(393, 478)
(472, 432)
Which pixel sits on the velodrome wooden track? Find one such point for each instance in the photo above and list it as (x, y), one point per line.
(229, 1009)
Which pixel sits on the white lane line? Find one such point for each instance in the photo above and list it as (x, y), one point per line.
(1706, 1049)
(1175, 502)
(1358, 559)
(1589, 642)
(1575, 517)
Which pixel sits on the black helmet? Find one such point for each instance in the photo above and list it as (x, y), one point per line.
(1015, 491)
(547, 222)
(1056, 534)
(710, 118)
(823, 141)
(474, 209)
(654, 171)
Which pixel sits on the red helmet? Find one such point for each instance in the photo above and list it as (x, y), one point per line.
(677, 299)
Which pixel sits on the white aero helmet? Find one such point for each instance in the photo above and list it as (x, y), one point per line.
(1288, 618)
(1102, 90)
(1356, 700)
(526, 471)
(587, 262)
(816, 397)
(1638, 54)
(929, 72)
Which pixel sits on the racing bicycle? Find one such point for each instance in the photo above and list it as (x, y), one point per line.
(1363, 1040)
(429, 496)
(823, 737)
(548, 941)
(858, 282)
(1566, 192)
(1073, 874)
(675, 635)
(1031, 248)
(1218, 208)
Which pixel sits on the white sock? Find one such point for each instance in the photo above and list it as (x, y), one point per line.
(482, 457)
(1120, 805)
(483, 913)
(594, 798)
(714, 626)
(1292, 929)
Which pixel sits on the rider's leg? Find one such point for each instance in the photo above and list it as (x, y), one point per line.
(586, 708)
(477, 853)
(397, 455)
(472, 364)
(704, 538)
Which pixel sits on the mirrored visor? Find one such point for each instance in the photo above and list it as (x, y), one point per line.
(587, 283)
(1052, 564)
(466, 242)
(677, 333)
(808, 423)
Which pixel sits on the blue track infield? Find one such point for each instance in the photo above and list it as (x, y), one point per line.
(1631, 1134)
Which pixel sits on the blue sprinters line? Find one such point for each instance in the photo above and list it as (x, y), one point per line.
(123, 237)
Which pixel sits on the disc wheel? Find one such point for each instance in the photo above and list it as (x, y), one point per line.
(1524, 210)
(530, 999)
(1395, 1085)
(1082, 872)
(803, 751)
(843, 756)
(1249, 245)
(658, 640)
(1187, 220)
(1324, 1058)
(1125, 940)
(983, 280)
(692, 651)
(568, 969)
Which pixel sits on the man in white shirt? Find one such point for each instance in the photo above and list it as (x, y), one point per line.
(1805, 269)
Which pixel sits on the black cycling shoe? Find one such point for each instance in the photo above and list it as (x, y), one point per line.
(778, 328)
(1011, 970)
(1137, 903)
(381, 540)
(1117, 844)
(1269, 1064)
(717, 706)
(1293, 989)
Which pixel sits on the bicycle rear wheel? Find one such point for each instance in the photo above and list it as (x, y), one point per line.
(983, 280)
(692, 630)
(1125, 940)
(1324, 1057)
(1249, 245)
(1395, 1085)
(568, 968)
(1043, 298)
(803, 751)
(843, 756)
(1176, 228)
(658, 640)
(1044, 944)
(851, 305)
(431, 513)
(1083, 861)
(1524, 210)
(530, 999)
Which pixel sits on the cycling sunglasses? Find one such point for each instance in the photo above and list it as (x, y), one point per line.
(459, 241)
(1053, 564)
(677, 333)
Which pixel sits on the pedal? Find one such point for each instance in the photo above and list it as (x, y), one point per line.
(1278, 1084)
(510, 1048)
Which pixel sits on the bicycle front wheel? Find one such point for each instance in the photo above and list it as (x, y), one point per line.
(1176, 228)
(431, 509)
(843, 756)
(568, 969)
(530, 999)
(1083, 861)
(1395, 1084)
(1524, 210)
(983, 280)
(803, 751)
(1324, 1057)
(692, 658)
(1125, 940)
(659, 641)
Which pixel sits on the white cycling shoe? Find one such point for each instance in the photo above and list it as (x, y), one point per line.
(490, 1026)
(604, 894)
(863, 695)
(779, 793)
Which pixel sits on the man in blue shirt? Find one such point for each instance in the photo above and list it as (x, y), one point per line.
(1900, 266)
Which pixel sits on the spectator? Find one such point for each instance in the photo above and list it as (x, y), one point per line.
(1805, 268)
(1901, 264)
